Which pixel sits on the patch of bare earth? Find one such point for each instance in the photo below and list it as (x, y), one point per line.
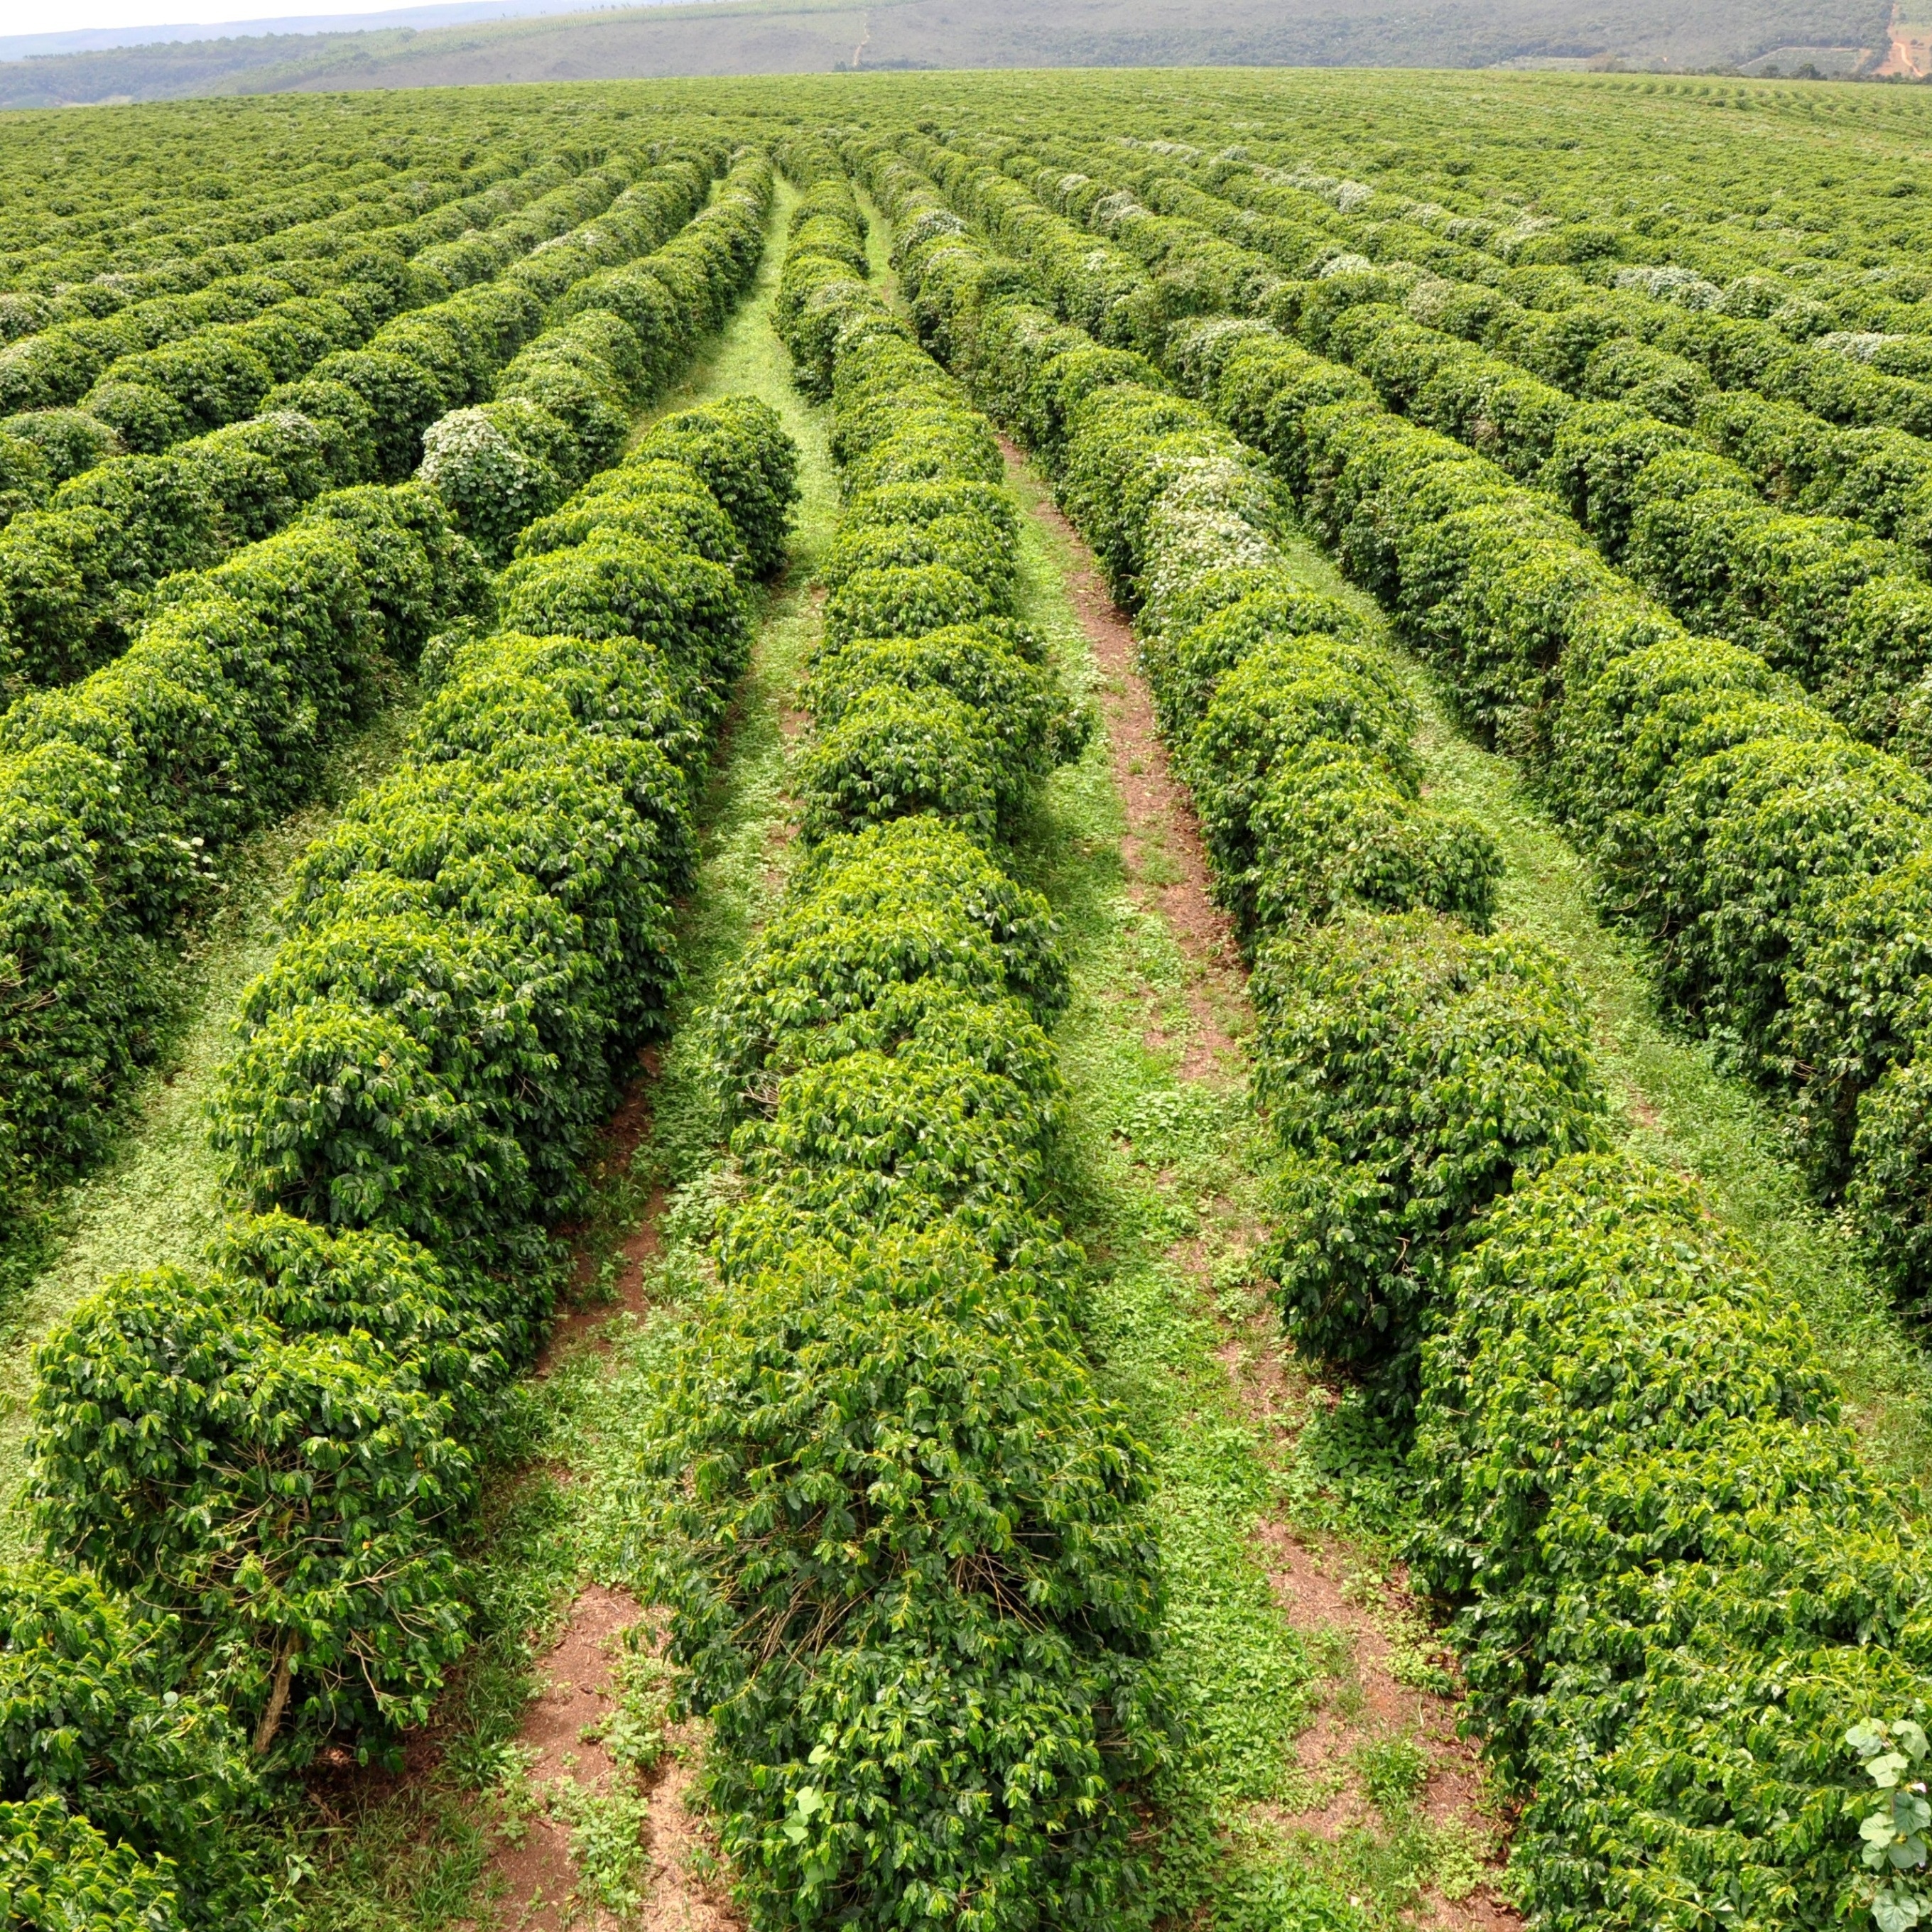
(1367, 1624)
(534, 1873)
(1323, 1591)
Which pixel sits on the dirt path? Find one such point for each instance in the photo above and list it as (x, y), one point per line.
(1163, 849)
(1360, 1621)
(1909, 53)
(601, 1835)
(601, 1830)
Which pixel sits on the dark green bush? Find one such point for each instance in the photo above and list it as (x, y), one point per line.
(69, 440)
(454, 1336)
(1677, 1584)
(849, 1775)
(1411, 1072)
(289, 1512)
(978, 548)
(25, 475)
(695, 613)
(1334, 830)
(1021, 705)
(1275, 702)
(96, 1722)
(738, 448)
(895, 754)
(1186, 664)
(57, 1870)
(493, 481)
(663, 504)
(904, 602)
(900, 902)
(212, 378)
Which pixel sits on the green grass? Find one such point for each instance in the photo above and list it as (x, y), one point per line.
(416, 1858)
(1161, 1186)
(1681, 1109)
(158, 1198)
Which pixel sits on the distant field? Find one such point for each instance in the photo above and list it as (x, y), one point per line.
(750, 37)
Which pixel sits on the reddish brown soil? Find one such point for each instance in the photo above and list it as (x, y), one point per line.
(1168, 873)
(532, 1872)
(533, 1877)
(1909, 53)
(536, 1874)
(1321, 1591)
(1165, 863)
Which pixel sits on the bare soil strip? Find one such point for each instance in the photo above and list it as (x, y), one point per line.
(1163, 848)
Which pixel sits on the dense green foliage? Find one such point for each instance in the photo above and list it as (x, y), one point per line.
(911, 1585)
(347, 399)
(121, 790)
(1640, 474)
(1733, 821)
(1681, 1596)
(270, 1458)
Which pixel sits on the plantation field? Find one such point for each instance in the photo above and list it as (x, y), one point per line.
(988, 1000)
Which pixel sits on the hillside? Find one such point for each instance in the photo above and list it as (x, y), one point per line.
(750, 37)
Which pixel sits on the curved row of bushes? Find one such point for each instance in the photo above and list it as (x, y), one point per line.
(153, 398)
(1809, 270)
(65, 361)
(77, 576)
(1614, 345)
(1691, 1619)
(266, 1459)
(911, 1586)
(117, 792)
(1665, 468)
(149, 233)
(1848, 614)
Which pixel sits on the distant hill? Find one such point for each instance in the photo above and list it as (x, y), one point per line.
(748, 37)
(434, 14)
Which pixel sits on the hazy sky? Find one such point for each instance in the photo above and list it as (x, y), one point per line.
(57, 16)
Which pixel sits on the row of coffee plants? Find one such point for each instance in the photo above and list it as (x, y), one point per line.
(474, 955)
(62, 351)
(1753, 332)
(1848, 614)
(1591, 172)
(901, 1535)
(1807, 193)
(1724, 560)
(1677, 1589)
(1776, 861)
(78, 253)
(188, 384)
(119, 792)
(1653, 329)
(412, 213)
(98, 213)
(1681, 348)
(76, 577)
